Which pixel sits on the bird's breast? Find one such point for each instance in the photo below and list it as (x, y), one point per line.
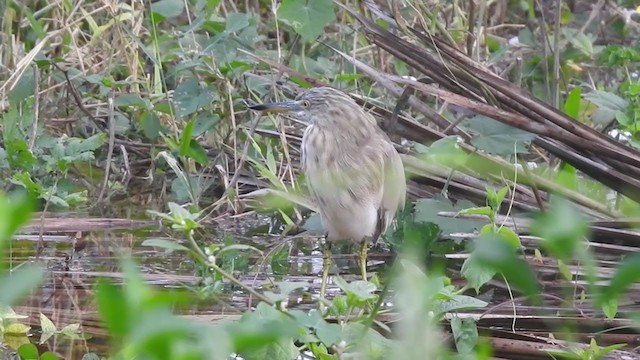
(344, 183)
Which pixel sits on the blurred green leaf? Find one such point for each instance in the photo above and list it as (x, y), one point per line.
(607, 100)
(204, 123)
(562, 228)
(15, 211)
(496, 253)
(47, 325)
(610, 308)
(113, 308)
(329, 334)
(362, 290)
(16, 329)
(627, 273)
(567, 176)
(15, 284)
(166, 244)
(280, 349)
(458, 303)
(307, 17)
(190, 97)
(426, 210)
(476, 272)
(23, 89)
(445, 151)
(465, 334)
(168, 8)
(572, 104)
(280, 260)
(129, 100)
(583, 43)
(151, 126)
(313, 224)
(497, 138)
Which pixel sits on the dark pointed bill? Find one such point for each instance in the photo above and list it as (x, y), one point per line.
(277, 107)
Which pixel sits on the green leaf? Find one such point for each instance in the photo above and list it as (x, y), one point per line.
(280, 349)
(197, 153)
(603, 351)
(476, 272)
(186, 137)
(19, 282)
(165, 244)
(607, 100)
(90, 356)
(445, 151)
(16, 329)
(15, 211)
(362, 290)
(610, 308)
(113, 308)
(458, 303)
(28, 352)
(509, 236)
(48, 355)
(583, 43)
(129, 100)
(497, 138)
(626, 274)
(280, 260)
(236, 22)
(90, 144)
(168, 8)
(287, 287)
(151, 125)
(36, 25)
(313, 224)
(190, 97)
(562, 228)
(485, 210)
(71, 329)
(567, 176)
(204, 123)
(572, 104)
(328, 333)
(307, 17)
(564, 270)
(47, 325)
(426, 210)
(496, 253)
(465, 334)
(23, 89)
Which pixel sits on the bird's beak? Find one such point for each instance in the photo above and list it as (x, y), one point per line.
(278, 107)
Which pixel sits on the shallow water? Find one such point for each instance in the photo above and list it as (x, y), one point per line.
(66, 295)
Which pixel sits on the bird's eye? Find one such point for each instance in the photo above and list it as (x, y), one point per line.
(305, 103)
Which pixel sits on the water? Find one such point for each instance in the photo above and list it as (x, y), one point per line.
(76, 260)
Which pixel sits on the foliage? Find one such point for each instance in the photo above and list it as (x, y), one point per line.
(106, 102)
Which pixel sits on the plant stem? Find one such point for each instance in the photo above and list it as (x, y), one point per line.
(225, 274)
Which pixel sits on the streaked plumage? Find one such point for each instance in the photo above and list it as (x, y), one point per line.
(351, 167)
(352, 170)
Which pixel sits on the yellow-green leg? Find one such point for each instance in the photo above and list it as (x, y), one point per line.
(363, 260)
(326, 265)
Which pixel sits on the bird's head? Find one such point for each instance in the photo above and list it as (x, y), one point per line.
(323, 106)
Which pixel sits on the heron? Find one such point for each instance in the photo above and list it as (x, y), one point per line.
(352, 169)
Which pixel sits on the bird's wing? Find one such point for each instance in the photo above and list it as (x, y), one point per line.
(394, 188)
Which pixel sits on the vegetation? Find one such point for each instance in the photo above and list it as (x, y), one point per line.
(518, 121)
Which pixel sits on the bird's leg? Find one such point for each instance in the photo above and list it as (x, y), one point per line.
(363, 260)
(326, 265)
